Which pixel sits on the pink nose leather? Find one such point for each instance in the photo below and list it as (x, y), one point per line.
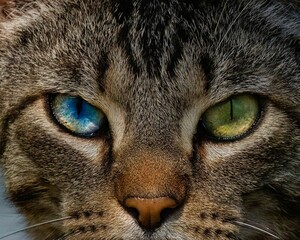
(150, 209)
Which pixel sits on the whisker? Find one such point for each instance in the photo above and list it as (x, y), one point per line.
(231, 25)
(221, 14)
(35, 226)
(256, 228)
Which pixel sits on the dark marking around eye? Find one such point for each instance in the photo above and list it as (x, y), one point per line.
(208, 67)
(75, 74)
(102, 66)
(122, 9)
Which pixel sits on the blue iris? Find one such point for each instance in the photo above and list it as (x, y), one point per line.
(77, 115)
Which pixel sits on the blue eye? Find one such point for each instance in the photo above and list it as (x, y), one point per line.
(77, 115)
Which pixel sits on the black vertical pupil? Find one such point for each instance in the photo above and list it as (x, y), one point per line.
(231, 109)
(79, 105)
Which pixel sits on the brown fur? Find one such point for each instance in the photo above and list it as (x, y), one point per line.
(153, 67)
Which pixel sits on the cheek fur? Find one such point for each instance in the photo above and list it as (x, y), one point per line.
(40, 140)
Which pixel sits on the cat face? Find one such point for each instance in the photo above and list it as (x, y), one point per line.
(152, 120)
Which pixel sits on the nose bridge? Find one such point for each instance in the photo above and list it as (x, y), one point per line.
(153, 130)
(149, 174)
(156, 115)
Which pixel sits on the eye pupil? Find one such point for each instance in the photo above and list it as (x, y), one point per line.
(79, 106)
(231, 109)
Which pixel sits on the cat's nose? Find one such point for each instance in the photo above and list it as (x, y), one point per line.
(150, 210)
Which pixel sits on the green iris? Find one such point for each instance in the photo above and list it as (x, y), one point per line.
(77, 115)
(232, 118)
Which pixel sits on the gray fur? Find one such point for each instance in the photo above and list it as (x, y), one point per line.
(153, 67)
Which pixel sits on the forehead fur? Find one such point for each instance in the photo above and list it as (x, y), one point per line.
(192, 49)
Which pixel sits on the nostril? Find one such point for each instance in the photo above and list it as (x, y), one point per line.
(133, 212)
(166, 213)
(150, 212)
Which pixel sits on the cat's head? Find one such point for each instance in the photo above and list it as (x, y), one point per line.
(152, 119)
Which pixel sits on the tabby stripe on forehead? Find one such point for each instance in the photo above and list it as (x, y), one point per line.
(182, 36)
(121, 9)
(124, 41)
(102, 67)
(207, 64)
(153, 44)
(150, 45)
(11, 117)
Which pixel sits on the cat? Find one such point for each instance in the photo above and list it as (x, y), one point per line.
(134, 119)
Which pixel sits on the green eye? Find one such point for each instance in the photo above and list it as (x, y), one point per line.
(232, 118)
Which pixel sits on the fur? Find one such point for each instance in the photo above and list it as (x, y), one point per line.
(153, 67)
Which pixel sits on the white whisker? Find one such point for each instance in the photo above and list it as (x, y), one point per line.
(250, 226)
(34, 226)
(221, 14)
(231, 25)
